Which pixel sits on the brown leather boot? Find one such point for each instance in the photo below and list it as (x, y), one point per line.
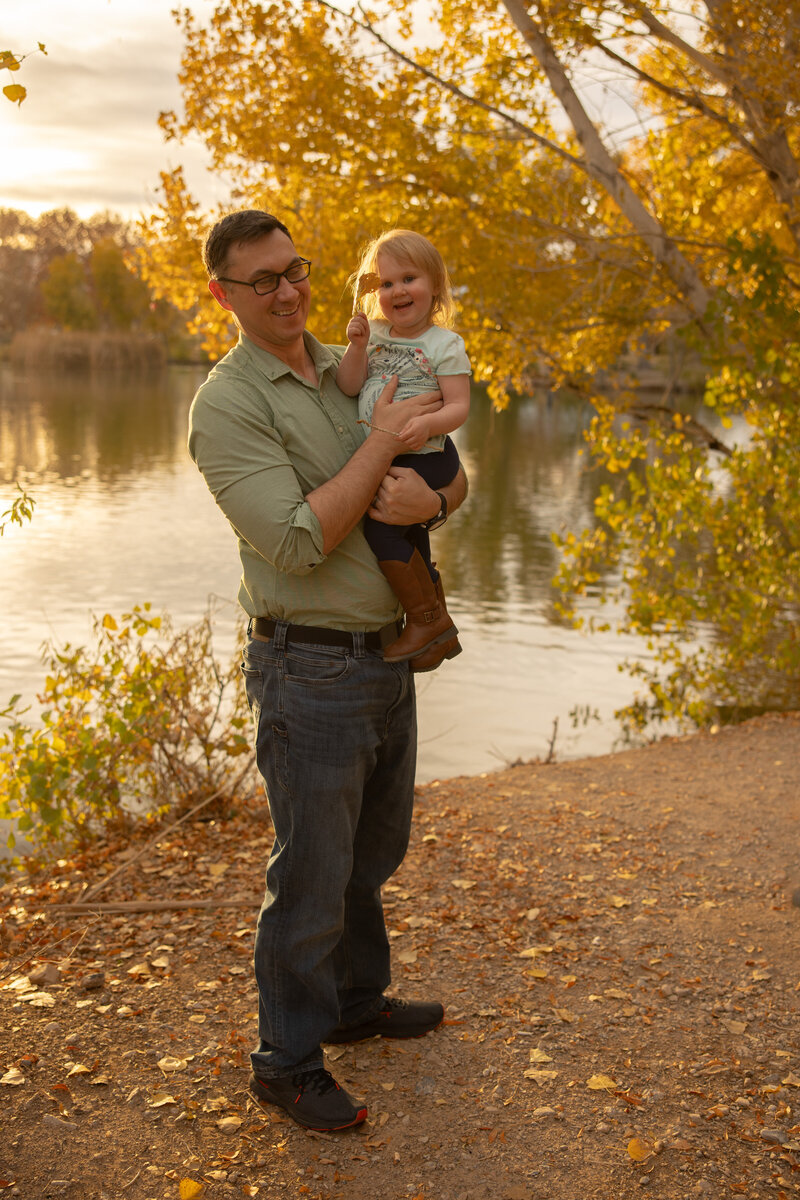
(427, 621)
(434, 656)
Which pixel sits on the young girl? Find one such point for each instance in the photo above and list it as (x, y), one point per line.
(411, 301)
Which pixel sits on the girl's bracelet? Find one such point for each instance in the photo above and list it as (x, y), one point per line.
(379, 428)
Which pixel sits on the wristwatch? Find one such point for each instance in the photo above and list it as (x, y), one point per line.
(440, 517)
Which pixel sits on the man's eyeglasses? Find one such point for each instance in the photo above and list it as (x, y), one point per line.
(297, 271)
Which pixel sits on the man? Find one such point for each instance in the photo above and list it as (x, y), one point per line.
(335, 728)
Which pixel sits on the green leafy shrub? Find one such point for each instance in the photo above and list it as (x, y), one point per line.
(143, 721)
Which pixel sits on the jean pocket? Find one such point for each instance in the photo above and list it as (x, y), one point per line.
(315, 664)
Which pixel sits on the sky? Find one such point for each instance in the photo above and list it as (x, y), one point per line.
(86, 137)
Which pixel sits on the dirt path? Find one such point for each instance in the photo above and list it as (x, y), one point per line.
(615, 943)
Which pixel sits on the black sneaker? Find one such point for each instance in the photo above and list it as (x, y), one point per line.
(397, 1019)
(312, 1098)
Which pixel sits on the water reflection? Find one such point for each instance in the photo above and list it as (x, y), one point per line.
(108, 426)
(527, 477)
(123, 516)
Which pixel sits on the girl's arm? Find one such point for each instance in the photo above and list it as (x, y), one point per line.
(352, 370)
(453, 413)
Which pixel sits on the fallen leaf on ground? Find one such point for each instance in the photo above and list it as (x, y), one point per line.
(600, 1083)
(540, 1077)
(228, 1124)
(639, 1150)
(538, 1055)
(190, 1189)
(169, 1065)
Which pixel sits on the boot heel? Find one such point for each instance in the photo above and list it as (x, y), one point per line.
(437, 641)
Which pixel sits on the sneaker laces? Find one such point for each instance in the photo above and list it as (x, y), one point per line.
(318, 1080)
(396, 1005)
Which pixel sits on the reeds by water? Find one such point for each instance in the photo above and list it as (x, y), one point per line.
(65, 350)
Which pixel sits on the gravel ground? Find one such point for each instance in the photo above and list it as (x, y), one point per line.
(615, 942)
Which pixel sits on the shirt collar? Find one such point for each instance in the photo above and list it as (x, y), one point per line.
(274, 368)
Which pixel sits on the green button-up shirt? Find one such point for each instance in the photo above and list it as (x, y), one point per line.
(263, 438)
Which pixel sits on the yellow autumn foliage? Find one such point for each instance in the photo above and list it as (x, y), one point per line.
(615, 188)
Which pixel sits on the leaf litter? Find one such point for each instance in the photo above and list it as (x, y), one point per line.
(676, 1063)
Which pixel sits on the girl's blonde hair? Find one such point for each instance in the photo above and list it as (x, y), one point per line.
(414, 249)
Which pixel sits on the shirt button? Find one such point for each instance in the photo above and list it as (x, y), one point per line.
(341, 428)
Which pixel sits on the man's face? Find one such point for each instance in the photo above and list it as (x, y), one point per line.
(275, 321)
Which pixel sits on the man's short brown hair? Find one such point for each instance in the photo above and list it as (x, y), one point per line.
(246, 225)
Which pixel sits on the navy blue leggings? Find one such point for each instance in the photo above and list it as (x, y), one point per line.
(398, 542)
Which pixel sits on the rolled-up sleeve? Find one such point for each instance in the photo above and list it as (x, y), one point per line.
(245, 464)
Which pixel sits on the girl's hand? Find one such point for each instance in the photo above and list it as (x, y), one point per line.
(357, 331)
(415, 433)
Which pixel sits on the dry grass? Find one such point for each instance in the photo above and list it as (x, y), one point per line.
(76, 350)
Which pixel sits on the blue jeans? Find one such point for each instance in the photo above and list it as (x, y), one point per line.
(335, 734)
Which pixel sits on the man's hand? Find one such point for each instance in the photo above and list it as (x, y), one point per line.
(403, 498)
(391, 418)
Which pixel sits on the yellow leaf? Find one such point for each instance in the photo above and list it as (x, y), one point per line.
(535, 951)
(791, 1081)
(600, 1083)
(564, 1014)
(539, 1076)
(734, 1026)
(189, 1189)
(619, 902)
(160, 1099)
(229, 1124)
(639, 1150)
(9, 60)
(537, 973)
(538, 1055)
(168, 1064)
(15, 92)
(109, 622)
(78, 1069)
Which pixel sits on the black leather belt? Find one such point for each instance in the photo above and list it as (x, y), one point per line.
(263, 630)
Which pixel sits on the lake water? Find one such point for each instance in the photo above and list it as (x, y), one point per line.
(122, 517)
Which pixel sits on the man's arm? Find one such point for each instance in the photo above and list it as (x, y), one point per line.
(340, 503)
(404, 497)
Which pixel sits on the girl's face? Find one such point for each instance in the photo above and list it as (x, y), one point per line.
(405, 296)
